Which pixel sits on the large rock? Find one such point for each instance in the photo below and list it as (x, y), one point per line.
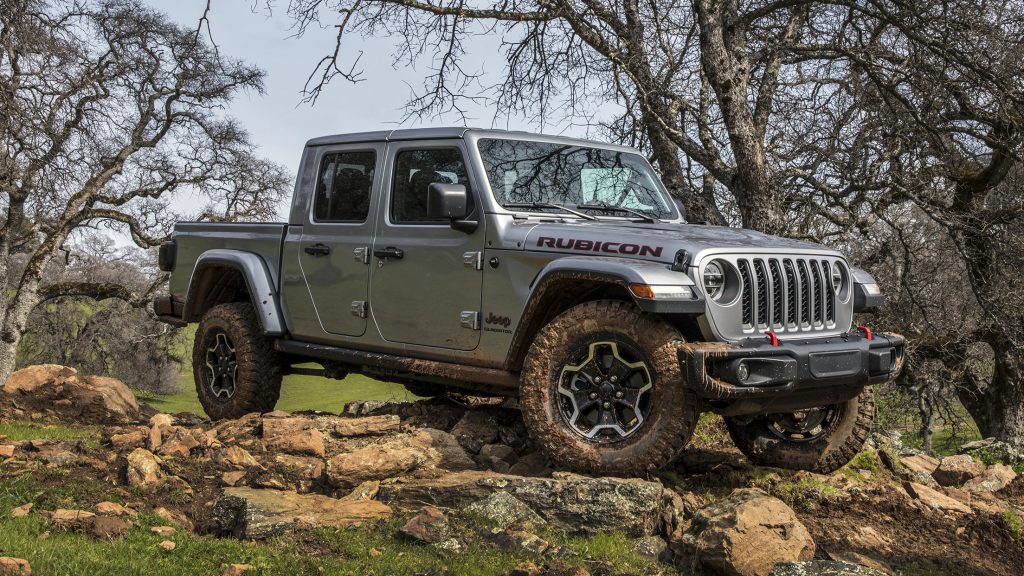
(309, 442)
(746, 534)
(18, 566)
(956, 470)
(143, 468)
(992, 450)
(276, 424)
(577, 504)
(430, 525)
(71, 519)
(936, 500)
(423, 450)
(823, 568)
(30, 379)
(254, 514)
(993, 479)
(50, 388)
(368, 425)
(504, 510)
(920, 463)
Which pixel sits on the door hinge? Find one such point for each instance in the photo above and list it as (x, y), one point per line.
(470, 319)
(473, 260)
(359, 308)
(361, 254)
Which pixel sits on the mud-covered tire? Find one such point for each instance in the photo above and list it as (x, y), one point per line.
(832, 449)
(673, 410)
(257, 381)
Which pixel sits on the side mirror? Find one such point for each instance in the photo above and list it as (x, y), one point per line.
(447, 201)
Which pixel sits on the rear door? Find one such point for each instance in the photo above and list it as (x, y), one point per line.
(426, 278)
(334, 251)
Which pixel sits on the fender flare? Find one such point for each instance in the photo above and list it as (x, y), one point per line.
(607, 270)
(256, 273)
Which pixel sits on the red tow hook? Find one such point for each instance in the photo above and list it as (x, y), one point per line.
(773, 338)
(866, 332)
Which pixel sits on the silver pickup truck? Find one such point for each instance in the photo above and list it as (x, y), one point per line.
(555, 270)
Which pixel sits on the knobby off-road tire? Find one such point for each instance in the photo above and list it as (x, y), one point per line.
(564, 345)
(237, 370)
(763, 441)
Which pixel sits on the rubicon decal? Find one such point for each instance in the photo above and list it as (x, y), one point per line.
(599, 246)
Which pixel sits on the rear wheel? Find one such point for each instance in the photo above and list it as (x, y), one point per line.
(236, 369)
(602, 390)
(819, 439)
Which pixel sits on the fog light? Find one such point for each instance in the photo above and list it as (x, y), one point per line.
(742, 372)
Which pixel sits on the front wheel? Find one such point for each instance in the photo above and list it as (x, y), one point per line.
(602, 390)
(820, 439)
(237, 370)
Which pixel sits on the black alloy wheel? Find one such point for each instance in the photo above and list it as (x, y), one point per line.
(603, 393)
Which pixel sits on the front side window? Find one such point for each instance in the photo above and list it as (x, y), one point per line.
(415, 171)
(343, 186)
(522, 172)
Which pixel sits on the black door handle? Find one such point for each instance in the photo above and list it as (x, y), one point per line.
(389, 252)
(318, 250)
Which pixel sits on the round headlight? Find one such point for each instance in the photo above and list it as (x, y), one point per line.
(837, 278)
(714, 279)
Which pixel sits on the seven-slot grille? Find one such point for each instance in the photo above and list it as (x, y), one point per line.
(787, 294)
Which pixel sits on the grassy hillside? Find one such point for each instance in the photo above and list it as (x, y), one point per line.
(297, 392)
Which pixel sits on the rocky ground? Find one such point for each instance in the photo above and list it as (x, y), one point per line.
(444, 487)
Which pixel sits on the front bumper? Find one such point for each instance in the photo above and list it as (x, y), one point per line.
(753, 376)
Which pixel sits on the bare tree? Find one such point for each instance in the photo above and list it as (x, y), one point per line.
(697, 77)
(933, 100)
(107, 111)
(118, 337)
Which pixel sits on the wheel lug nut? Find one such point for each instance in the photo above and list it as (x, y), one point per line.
(619, 394)
(614, 378)
(593, 395)
(606, 405)
(597, 379)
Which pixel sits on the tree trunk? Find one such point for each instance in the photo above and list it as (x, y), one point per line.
(700, 205)
(8, 356)
(728, 72)
(998, 409)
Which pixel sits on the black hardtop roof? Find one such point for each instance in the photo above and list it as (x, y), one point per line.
(441, 133)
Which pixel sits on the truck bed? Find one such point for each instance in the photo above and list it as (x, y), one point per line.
(194, 238)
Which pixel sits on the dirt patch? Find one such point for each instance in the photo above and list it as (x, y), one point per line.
(916, 538)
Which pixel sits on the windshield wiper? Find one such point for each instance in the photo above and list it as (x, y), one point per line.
(606, 207)
(551, 205)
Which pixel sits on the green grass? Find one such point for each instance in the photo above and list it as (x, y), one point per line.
(1015, 523)
(945, 441)
(297, 393)
(16, 430)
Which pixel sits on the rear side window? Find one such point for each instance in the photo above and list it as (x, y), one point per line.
(415, 171)
(343, 186)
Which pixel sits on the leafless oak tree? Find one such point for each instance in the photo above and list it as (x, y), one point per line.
(107, 109)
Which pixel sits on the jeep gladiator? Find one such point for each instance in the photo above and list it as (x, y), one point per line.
(555, 270)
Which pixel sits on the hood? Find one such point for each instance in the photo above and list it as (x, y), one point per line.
(658, 242)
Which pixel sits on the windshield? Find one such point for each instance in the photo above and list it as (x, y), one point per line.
(522, 172)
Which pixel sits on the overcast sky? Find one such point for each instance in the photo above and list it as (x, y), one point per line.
(278, 121)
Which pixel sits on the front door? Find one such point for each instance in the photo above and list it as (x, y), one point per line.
(334, 252)
(426, 278)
